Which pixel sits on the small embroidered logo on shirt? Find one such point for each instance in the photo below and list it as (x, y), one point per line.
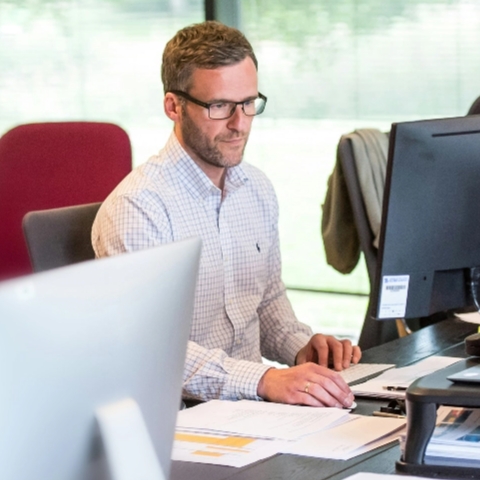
(258, 247)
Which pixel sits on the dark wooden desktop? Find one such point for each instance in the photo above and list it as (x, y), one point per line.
(444, 338)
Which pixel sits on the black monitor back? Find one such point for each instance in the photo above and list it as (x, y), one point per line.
(430, 234)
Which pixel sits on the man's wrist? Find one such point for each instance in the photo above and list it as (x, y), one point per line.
(293, 348)
(262, 384)
(243, 379)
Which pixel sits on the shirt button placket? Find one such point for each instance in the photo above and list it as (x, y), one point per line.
(228, 267)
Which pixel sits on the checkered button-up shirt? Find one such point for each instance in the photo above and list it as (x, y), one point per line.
(241, 311)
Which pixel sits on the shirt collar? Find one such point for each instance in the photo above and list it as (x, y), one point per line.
(194, 178)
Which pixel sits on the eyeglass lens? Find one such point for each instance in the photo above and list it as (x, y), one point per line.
(226, 109)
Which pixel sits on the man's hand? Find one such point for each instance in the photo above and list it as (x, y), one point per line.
(307, 384)
(327, 351)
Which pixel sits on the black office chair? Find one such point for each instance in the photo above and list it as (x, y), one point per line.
(59, 236)
(475, 108)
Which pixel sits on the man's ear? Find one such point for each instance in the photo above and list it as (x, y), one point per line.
(172, 106)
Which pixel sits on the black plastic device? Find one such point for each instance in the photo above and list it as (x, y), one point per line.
(430, 235)
(472, 345)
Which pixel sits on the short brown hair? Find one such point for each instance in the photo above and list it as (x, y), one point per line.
(208, 45)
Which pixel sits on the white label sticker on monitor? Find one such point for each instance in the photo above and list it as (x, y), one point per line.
(393, 298)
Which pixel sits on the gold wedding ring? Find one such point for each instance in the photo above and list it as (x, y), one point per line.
(307, 386)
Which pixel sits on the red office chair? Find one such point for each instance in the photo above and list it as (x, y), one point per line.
(52, 165)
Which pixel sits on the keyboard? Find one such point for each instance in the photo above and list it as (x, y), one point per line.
(364, 371)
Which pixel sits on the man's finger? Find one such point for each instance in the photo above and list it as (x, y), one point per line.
(347, 353)
(356, 354)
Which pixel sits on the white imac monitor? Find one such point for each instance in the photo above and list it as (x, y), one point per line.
(91, 365)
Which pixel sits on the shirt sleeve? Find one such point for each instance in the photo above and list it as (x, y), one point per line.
(126, 224)
(211, 373)
(282, 335)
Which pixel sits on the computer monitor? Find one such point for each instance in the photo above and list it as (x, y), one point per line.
(80, 347)
(430, 233)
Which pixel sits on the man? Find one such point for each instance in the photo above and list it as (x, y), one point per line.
(196, 186)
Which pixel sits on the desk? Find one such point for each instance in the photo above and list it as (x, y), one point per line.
(444, 338)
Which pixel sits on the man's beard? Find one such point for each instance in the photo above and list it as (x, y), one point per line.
(207, 150)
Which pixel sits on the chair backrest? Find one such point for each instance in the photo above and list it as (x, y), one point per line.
(365, 234)
(59, 236)
(373, 332)
(52, 165)
(475, 107)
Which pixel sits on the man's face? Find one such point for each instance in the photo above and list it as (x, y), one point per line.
(218, 143)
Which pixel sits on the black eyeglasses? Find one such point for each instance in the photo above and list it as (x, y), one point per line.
(224, 110)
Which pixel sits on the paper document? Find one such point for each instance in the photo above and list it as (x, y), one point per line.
(257, 419)
(361, 371)
(221, 450)
(393, 383)
(384, 476)
(472, 317)
(351, 438)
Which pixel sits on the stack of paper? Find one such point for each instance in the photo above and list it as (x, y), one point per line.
(359, 435)
(393, 383)
(239, 433)
(273, 421)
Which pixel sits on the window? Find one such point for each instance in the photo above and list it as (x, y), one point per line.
(327, 68)
(331, 67)
(89, 60)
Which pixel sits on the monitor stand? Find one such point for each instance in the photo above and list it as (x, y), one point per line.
(128, 447)
(422, 400)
